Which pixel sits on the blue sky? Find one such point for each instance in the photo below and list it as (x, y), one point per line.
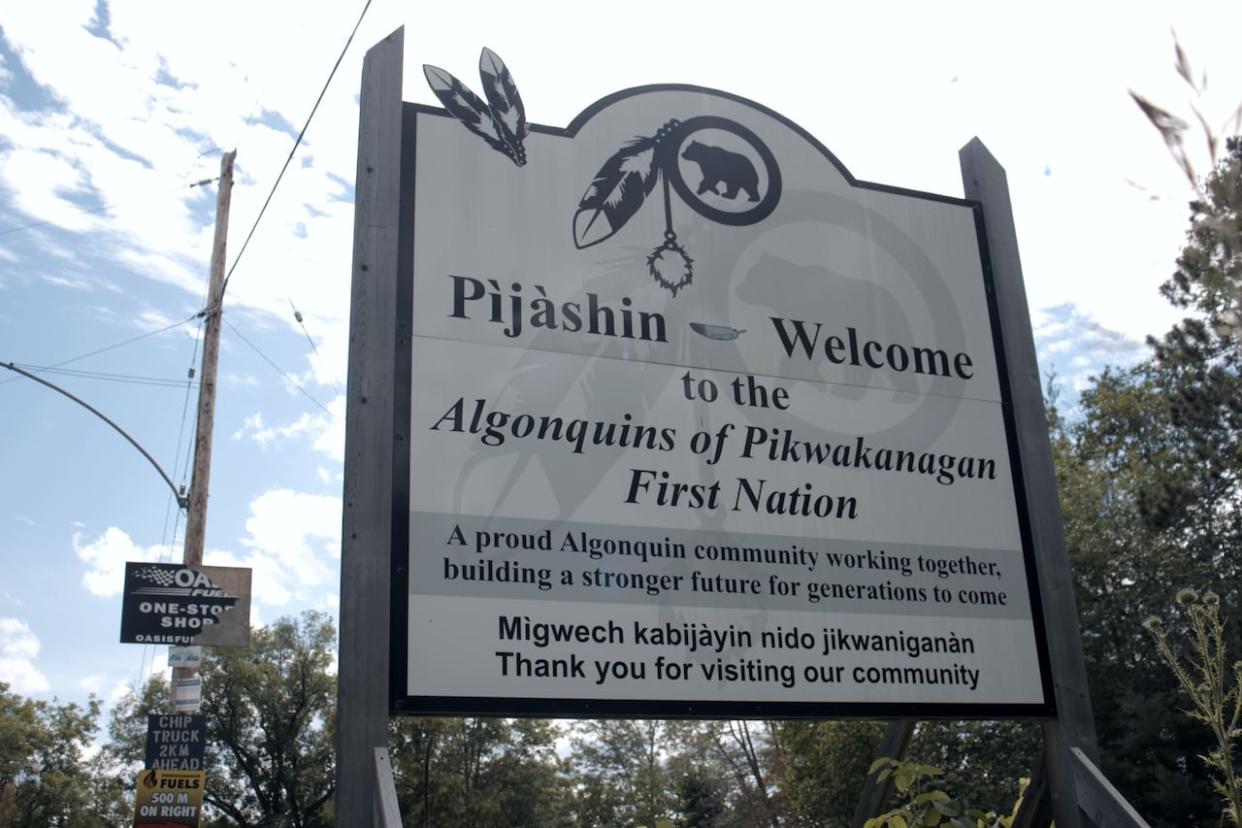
(108, 111)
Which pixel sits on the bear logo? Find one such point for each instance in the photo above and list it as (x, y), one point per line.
(717, 165)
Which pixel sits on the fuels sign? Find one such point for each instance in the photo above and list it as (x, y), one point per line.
(169, 798)
(176, 742)
(178, 604)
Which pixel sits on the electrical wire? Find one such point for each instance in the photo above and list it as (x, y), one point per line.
(279, 370)
(111, 347)
(297, 315)
(296, 143)
(157, 382)
(89, 210)
(33, 225)
(167, 543)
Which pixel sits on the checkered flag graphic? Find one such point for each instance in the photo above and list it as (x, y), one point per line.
(163, 577)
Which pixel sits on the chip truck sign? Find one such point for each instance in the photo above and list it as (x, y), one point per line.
(176, 741)
(699, 424)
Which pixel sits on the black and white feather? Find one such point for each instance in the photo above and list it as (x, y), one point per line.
(617, 191)
(506, 103)
(501, 120)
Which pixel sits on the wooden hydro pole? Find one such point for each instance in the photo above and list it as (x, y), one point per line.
(196, 512)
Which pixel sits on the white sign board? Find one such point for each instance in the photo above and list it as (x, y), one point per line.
(188, 694)
(191, 656)
(699, 424)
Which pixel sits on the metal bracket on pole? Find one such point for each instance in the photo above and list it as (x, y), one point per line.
(387, 813)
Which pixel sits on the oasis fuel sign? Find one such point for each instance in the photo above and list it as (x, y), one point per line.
(698, 423)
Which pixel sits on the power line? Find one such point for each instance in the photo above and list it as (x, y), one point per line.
(279, 370)
(296, 143)
(133, 379)
(297, 315)
(111, 347)
(32, 225)
(89, 210)
(167, 543)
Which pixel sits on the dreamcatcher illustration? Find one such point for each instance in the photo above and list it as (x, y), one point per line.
(626, 179)
(501, 121)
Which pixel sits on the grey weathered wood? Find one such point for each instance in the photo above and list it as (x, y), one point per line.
(874, 794)
(200, 478)
(366, 533)
(1036, 810)
(1099, 800)
(985, 181)
(387, 812)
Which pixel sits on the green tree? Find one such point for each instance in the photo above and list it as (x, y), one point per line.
(45, 767)
(621, 780)
(270, 711)
(478, 771)
(825, 765)
(743, 757)
(1149, 479)
(700, 798)
(982, 762)
(270, 718)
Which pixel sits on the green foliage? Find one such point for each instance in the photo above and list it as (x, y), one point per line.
(46, 774)
(1149, 478)
(825, 766)
(743, 756)
(270, 715)
(1213, 685)
(270, 710)
(920, 807)
(980, 759)
(700, 799)
(478, 771)
(622, 780)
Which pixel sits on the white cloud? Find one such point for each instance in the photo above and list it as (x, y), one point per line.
(19, 647)
(105, 559)
(292, 545)
(326, 433)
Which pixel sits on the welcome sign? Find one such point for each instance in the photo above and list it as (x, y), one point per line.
(699, 424)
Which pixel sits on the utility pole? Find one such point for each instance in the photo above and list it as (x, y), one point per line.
(196, 513)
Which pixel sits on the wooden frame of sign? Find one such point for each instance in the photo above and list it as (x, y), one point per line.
(374, 611)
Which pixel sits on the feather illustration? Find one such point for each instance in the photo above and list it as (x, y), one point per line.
(468, 108)
(616, 193)
(506, 103)
(718, 332)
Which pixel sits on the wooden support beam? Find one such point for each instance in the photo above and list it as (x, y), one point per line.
(387, 813)
(1073, 726)
(1099, 800)
(1036, 810)
(874, 794)
(366, 533)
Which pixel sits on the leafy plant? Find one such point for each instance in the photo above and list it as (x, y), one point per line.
(926, 808)
(1213, 685)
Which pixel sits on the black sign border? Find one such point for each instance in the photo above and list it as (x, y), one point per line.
(400, 702)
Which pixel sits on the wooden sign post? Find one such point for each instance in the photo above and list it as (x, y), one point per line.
(755, 444)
